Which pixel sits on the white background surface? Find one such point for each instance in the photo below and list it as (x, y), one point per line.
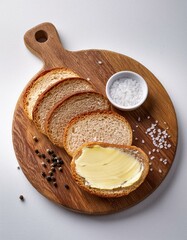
(152, 32)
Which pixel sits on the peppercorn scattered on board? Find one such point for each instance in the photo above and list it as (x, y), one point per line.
(154, 124)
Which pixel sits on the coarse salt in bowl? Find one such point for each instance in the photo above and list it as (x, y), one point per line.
(126, 90)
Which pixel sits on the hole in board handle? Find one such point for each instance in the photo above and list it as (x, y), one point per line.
(41, 36)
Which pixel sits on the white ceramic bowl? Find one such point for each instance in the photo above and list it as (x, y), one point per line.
(116, 94)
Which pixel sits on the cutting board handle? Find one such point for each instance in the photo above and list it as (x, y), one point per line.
(43, 41)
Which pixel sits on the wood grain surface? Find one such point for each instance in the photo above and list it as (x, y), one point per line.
(97, 66)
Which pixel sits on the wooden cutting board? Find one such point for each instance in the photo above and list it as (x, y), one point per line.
(96, 66)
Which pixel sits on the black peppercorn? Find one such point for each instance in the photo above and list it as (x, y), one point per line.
(43, 174)
(66, 186)
(39, 155)
(35, 138)
(50, 173)
(36, 151)
(53, 164)
(53, 169)
(61, 162)
(48, 178)
(44, 165)
(54, 160)
(55, 184)
(53, 155)
(53, 178)
(48, 160)
(43, 155)
(49, 151)
(21, 197)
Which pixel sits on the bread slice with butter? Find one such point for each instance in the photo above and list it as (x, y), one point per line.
(109, 170)
(98, 126)
(37, 86)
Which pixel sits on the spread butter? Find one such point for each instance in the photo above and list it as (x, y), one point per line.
(108, 167)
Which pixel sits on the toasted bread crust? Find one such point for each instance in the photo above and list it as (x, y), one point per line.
(35, 81)
(117, 192)
(47, 92)
(55, 110)
(82, 116)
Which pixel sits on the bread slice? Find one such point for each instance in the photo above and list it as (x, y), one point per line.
(98, 126)
(70, 107)
(40, 84)
(100, 173)
(52, 95)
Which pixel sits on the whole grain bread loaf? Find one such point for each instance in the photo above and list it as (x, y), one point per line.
(120, 191)
(98, 126)
(40, 84)
(70, 107)
(52, 95)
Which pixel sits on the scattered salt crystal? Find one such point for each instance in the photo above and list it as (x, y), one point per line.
(126, 91)
(152, 157)
(150, 163)
(159, 137)
(160, 170)
(165, 161)
(158, 150)
(149, 152)
(136, 138)
(161, 159)
(153, 150)
(143, 141)
(100, 62)
(151, 169)
(88, 78)
(137, 126)
(148, 117)
(139, 119)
